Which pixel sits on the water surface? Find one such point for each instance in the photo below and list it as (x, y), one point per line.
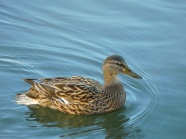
(42, 38)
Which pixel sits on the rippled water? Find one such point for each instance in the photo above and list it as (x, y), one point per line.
(41, 38)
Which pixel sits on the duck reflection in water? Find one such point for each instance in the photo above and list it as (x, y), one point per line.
(104, 126)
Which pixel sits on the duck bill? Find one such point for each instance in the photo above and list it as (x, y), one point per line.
(131, 73)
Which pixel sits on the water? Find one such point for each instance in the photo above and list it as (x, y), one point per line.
(42, 38)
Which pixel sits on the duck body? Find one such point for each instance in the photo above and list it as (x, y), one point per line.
(80, 95)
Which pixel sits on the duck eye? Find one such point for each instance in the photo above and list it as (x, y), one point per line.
(118, 64)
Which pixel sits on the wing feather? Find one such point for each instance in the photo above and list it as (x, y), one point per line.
(68, 93)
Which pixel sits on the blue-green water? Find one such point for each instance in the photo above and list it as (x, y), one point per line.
(42, 38)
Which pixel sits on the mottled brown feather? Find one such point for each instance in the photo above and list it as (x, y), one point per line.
(79, 95)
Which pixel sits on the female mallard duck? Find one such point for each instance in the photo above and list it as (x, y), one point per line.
(79, 95)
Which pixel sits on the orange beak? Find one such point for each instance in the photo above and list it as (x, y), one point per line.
(131, 73)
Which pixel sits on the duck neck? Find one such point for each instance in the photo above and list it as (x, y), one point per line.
(110, 79)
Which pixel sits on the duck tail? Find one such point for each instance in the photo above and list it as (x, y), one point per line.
(30, 81)
(24, 99)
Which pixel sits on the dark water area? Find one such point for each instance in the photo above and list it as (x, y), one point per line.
(42, 38)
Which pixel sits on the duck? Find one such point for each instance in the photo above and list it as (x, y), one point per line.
(80, 95)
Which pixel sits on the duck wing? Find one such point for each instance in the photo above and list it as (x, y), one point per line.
(64, 80)
(68, 93)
